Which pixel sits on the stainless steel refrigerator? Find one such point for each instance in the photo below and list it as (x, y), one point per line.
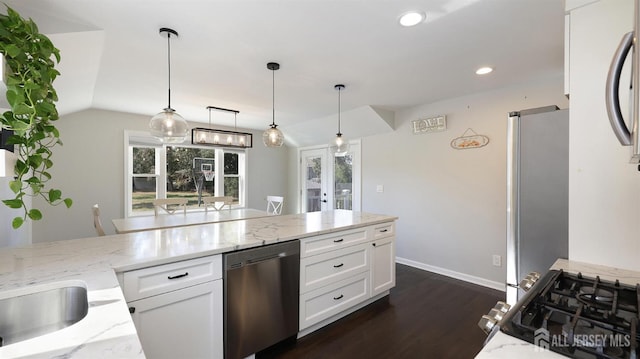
(537, 193)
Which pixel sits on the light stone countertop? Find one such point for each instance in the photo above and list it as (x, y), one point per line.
(505, 346)
(108, 331)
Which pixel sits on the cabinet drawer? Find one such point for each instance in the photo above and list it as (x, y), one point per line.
(383, 230)
(332, 241)
(326, 268)
(325, 302)
(150, 281)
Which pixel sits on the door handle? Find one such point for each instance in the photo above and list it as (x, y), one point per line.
(612, 97)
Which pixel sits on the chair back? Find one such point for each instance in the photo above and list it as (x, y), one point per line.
(170, 205)
(217, 203)
(274, 204)
(96, 220)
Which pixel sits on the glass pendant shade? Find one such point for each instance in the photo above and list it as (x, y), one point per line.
(273, 137)
(169, 126)
(340, 146)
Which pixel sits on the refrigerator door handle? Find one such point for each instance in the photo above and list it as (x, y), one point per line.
(612, 96)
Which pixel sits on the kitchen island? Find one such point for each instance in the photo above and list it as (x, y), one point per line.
(108, 330)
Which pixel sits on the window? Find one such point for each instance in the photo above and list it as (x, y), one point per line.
(160, 171)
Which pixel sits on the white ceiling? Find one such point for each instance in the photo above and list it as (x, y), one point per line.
(113, 57)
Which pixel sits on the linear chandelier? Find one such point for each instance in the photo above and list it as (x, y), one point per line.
(222, 138)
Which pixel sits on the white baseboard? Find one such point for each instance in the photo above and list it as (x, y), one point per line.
(453, 274)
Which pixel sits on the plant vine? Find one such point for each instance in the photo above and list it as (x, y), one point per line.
(30, 71)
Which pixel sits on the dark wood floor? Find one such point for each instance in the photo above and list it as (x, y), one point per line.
(425, 316)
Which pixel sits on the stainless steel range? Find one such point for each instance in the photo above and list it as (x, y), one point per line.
(573, 315)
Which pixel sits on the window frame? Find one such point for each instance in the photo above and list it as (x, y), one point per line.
(145, 140)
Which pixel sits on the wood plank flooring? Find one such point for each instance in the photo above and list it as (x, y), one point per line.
(425, 316)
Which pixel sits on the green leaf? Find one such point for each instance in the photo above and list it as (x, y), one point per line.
(35, 214)
(68, 202)
(12, 50)
(34, 161)
(12, 203)
(15, 186)
(17, 222)
(54, 195)
(22, 109)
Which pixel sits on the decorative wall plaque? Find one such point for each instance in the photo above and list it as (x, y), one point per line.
(427, 125)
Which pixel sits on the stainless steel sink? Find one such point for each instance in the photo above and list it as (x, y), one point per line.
(42, 310)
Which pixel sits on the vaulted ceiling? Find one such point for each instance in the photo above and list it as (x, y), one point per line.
(114, 58)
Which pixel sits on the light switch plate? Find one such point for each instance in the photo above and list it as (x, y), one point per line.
(379, 188)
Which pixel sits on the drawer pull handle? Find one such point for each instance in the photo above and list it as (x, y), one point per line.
(178, 276)
(338, 240)
(384, 230)
(338, 297)
(338, 265)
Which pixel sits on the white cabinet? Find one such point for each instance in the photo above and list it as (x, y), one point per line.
(340, 272)
(177, 308)
(185, 323)
(383, 265)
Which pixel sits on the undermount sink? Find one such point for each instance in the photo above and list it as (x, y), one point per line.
(27, 313)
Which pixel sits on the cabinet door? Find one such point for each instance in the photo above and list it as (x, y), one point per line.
(185, 323)
(383, 265)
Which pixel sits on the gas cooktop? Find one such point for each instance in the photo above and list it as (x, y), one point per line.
(578, 316)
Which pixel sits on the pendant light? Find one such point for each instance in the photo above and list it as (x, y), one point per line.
(273, 137)
(224, 138)
(168, 125)
(339, 146)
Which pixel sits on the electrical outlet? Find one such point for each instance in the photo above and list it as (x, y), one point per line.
(497, 260)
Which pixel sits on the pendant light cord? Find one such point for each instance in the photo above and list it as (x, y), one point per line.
(169, 64)
(273, 99)
(339, 90)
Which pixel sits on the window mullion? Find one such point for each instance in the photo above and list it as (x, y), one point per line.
(161, 172)
(219, 164)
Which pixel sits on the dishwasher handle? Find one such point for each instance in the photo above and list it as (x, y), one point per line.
(266, 258)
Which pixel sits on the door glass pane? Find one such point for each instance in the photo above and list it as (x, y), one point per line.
(343, 182)
(313, 185)
(190, 174)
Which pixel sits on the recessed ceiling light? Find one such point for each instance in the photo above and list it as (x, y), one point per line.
(412, 18)
(483, 70)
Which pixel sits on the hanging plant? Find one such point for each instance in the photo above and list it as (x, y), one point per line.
(31, 96)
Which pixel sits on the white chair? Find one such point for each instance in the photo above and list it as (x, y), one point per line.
(170, 205)
(217, 203)
(96, 220)
(274, 204)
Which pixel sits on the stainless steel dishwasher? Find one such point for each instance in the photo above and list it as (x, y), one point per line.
(261, 296)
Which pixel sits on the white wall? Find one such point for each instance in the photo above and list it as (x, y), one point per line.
(89, 168)
(604, 196)
(451, 203)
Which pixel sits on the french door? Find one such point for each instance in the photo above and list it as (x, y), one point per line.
(315, 193)
(328, 182)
